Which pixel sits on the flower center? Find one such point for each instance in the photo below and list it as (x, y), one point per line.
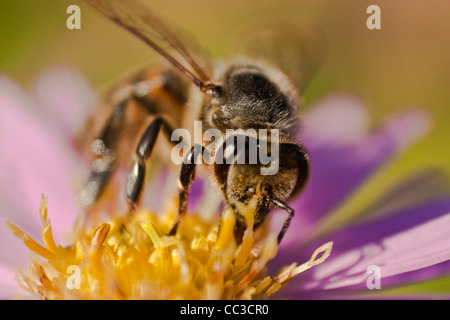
(129, 258)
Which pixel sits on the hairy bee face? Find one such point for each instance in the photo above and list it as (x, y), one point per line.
(243, 182)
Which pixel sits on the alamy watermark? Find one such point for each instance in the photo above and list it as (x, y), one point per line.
(372, 282)
(374, 20)
(374, 279)
(74, 280)
(73, 22)
(237, 146)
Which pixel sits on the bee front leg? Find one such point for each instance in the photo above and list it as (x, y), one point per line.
(287, 222)
(136, 175)
(187, 176)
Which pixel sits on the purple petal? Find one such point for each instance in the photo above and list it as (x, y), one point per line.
(415, 248)
(196, 193)
(340, 166)
(409, 245)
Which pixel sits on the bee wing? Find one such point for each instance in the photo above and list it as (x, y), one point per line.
(298, 51)
(140, 21)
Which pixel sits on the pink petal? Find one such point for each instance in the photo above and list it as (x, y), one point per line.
(339, 118)
(14, 108)
(64, 99)
(39, 161)
(8, 284)
(37, 158)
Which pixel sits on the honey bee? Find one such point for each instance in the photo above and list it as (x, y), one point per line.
(236, 94)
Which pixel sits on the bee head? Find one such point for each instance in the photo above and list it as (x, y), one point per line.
(243, 181)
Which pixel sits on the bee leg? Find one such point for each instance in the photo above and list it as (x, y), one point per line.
(136, 175)
(287, 222)
(104, 165)
(141, 91)
(187, 175)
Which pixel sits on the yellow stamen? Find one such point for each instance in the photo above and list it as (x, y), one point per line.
(119, 261)
(226, 228)
(247, 240)
(292, 271)
(29, 242)
(99, 237)
(152, 232)
(47, 234)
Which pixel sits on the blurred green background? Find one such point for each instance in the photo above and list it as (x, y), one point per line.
(405, 64)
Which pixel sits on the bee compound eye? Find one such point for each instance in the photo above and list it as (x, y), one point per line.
(215, 91)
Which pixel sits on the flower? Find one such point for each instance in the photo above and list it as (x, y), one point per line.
(36, 154)
(131, 258)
